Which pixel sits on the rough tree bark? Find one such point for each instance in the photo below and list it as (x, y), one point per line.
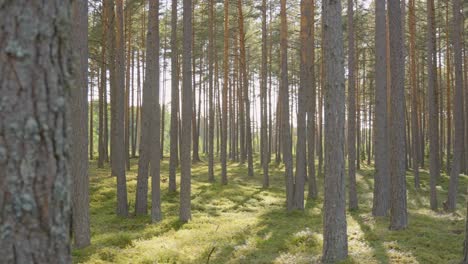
(381, 178)
(284, 97)
(35, 176)
(398, 213)
(432, 98)
(79, 121)
(263, 100)
(186, 162)
(451, 203)
(335, 243)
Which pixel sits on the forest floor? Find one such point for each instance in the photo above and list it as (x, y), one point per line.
(243, 223)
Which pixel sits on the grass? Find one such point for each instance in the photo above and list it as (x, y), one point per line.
(243, 223)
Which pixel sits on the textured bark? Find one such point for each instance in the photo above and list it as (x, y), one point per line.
(211, 107)
(353, 201)
(414, 94)
(311, 98)
(79, 118)
(224, 118)
(335, 243)
(263, 100)
(186, 163)
(284, 98)
(381, 178)
(432, 98)
(127, 39)
(398, 213)
(174, 155)
(35, 177)
(458, 108)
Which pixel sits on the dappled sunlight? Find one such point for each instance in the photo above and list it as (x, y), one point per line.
(244, 223)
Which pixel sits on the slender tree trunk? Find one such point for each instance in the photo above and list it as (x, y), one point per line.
(128, 36)
(451, 203)
(311, 97)
(434, 160)
(102, 88)
(211, 107)
(245, 85)
(186, 163)
(224, 129)
(335, 243)
(263, 100)
(449, 84)
(353, 201)
(174, 156)
(118, 114)
(284, 97)
(35, 178)
(381, 177)
(414, 93)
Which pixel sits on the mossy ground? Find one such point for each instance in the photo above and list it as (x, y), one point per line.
(243, 223)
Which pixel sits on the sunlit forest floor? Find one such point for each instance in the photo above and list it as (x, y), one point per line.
(243, 223)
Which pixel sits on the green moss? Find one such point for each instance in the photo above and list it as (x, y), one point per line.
(243, 223)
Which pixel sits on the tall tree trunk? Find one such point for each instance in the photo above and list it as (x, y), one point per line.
(414, 93)
(211, 107)
(127, 36)
(174, 156)
(335, 243)
(224, 129)
(263, 100)
(458, 107)
(398, 213)
(79, 136)
(245, 84)
(118, 143)
(304, 89)
(432, 97)
(102, 88)
(353, 201)
(449, 84)
(186, 163)
(284, 97)
(311, 100)
(35, 178)
(381, 177)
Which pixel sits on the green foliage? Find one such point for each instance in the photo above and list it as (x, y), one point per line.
(243, 223)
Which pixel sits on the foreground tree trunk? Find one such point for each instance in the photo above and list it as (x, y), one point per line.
(186, 162)
(335, 242)
(399, 217)
(353, 201)
(284, 97)
(458, 108)
(381, 178)
(79, 136)
(35, 178)
(263, 100)
(432, 98)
